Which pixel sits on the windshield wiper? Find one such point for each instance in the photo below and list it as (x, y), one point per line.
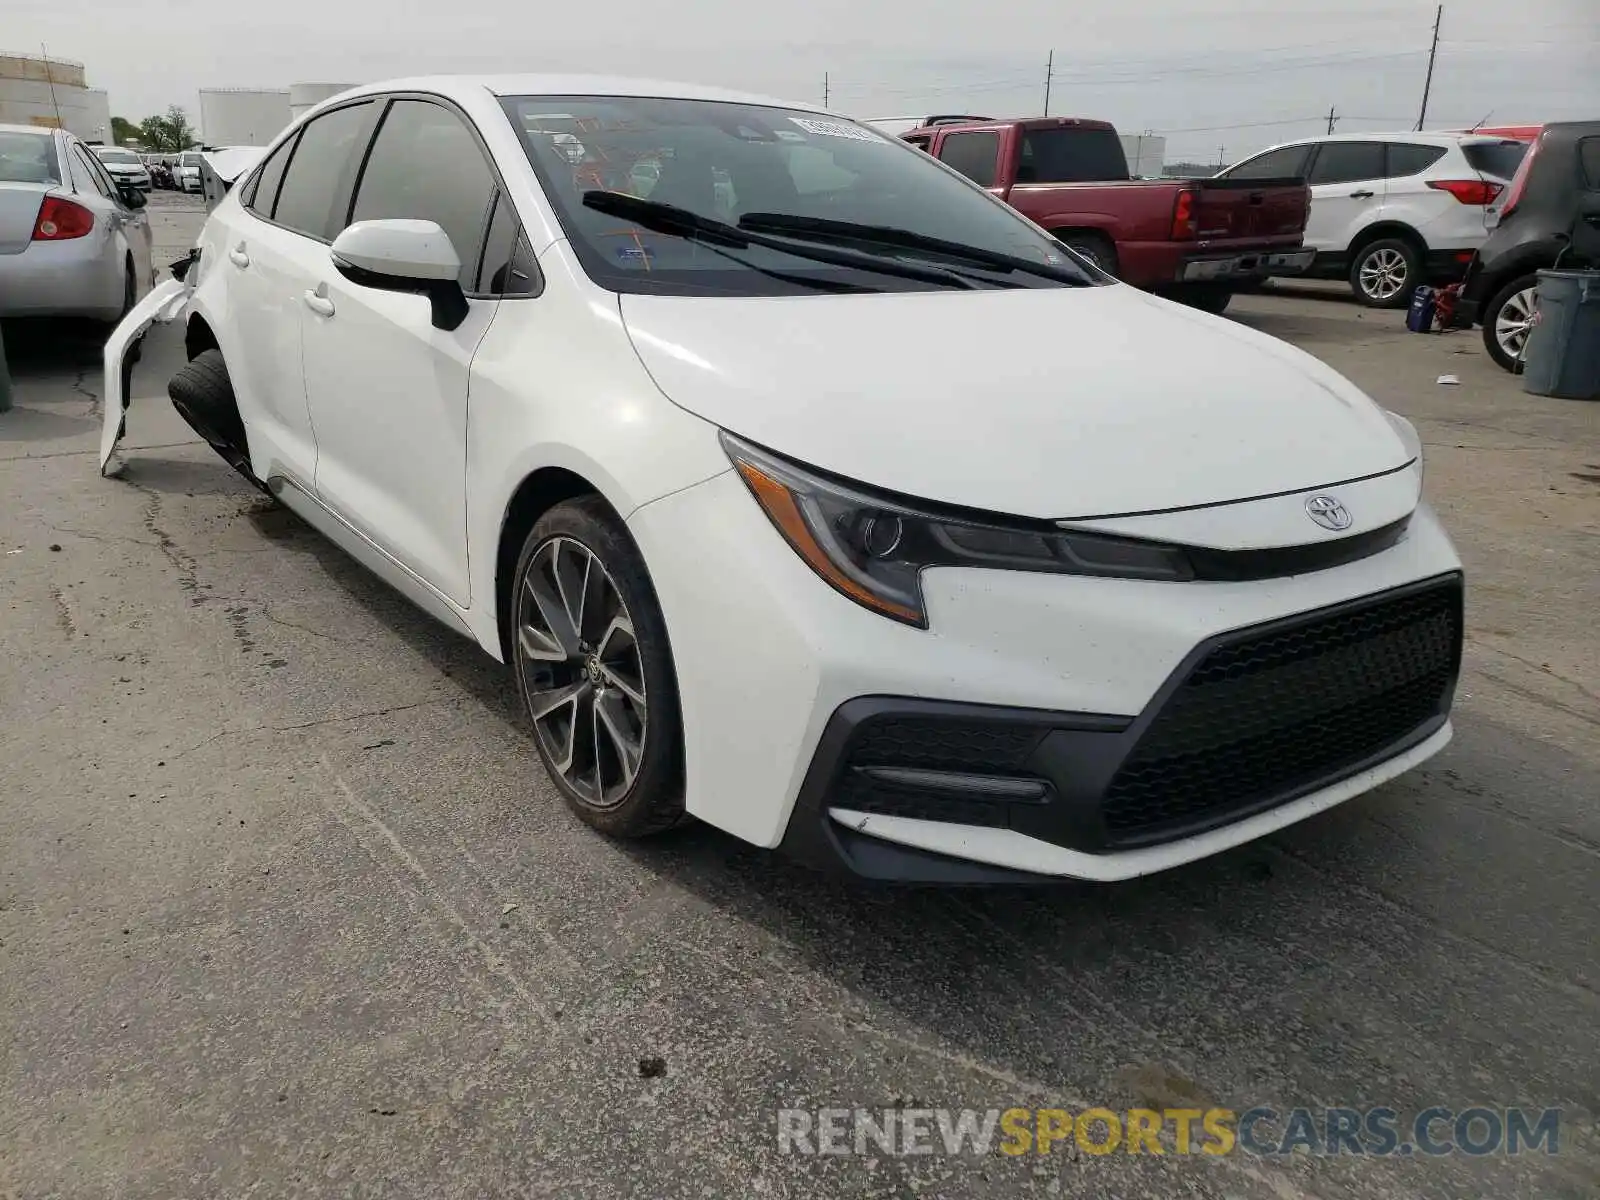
(670, 219)
(824, 229)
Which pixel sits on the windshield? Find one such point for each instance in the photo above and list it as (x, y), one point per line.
(28, 158)
(188, 160)
(120, 157)
(724, 161)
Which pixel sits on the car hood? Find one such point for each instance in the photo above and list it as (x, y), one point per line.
(1051, 403)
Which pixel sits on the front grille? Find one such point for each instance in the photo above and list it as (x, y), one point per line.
(1268, 716)
(931, 744)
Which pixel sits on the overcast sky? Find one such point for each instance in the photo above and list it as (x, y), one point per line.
(1219, 78)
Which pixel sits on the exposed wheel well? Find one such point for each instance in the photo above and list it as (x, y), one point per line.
(535, 496)
(1387, 229)
(198, 338)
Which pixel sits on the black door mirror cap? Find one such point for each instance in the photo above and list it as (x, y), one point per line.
(448, 301)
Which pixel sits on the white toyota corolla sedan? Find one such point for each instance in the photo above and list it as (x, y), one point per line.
(812, 492)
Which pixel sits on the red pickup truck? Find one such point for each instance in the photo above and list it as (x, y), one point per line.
(1195, 240)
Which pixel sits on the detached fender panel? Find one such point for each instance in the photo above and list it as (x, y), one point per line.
(161, 306)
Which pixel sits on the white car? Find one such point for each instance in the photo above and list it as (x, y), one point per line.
(124, 166)
(1392, 211)
(186, 172)
(818, 496)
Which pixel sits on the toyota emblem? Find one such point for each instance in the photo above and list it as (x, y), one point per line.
(1328, 512)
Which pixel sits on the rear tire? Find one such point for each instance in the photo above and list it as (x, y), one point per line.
(1507, 321)
(1207, 297)
(595, 673)
(1096, 247)
(1384, 273)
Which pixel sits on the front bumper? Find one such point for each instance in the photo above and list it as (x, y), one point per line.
(1255, 265)
(767, 657)
(1272, 722)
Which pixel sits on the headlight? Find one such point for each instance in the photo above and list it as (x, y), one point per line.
(873, 548)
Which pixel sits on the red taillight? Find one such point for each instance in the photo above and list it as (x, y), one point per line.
(61, 220)
(1468, 191)
(1185, 223)
(1519, 181)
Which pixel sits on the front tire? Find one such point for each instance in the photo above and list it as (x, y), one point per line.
(1507, 321)
(1384, 273)
(595, 672)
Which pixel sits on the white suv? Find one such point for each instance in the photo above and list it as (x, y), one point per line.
(619, 380)
(1391, 211)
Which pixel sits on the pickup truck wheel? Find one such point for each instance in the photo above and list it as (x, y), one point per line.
(1384, 273)
(1507, 321)
(1207, 297)
(1096, 247)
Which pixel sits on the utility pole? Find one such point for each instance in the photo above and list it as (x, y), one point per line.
(50, 79)
(1222, 157)
(1427, 85)
(824, 89)
(1331, 118)
(1049, 71)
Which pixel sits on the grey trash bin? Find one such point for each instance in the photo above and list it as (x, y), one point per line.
(1562, 355)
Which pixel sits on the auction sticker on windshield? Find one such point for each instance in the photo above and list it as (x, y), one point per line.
(835, 129)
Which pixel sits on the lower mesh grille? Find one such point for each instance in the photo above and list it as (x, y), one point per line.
(1262, 718)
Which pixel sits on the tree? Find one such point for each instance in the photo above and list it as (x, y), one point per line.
(168, 133)
(123, 131)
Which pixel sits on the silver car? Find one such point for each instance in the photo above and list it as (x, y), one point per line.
(72, 242)
(124, 166)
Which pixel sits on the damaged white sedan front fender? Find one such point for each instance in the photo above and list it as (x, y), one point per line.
(163, 305)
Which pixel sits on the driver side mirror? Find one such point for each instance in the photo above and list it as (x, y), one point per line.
(131, 197)
(405, 256)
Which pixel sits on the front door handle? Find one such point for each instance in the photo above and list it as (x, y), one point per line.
(318, 301)
(1361, 195)
(239, 257)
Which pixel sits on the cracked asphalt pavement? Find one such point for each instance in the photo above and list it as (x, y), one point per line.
(288, 909)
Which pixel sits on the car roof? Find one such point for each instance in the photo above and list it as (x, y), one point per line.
(458, 86)
(43, 129)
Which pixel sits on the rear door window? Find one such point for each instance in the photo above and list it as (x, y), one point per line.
(99, 180)
(262, 191)
(1408, 158)
(973, 154)
(1286, 162)
(1068, 155)
(316, 180)
(1347, 162)
(1499, 159)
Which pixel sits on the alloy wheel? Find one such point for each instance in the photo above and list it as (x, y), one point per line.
(1383, 273)
(1513, 322)
(582, 671)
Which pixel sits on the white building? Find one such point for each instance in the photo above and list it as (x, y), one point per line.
(52, 93)
(242, 116)
(303, 97)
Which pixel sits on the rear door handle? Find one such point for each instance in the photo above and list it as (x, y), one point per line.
(1361, 195)
(239, 257)
(317, 302)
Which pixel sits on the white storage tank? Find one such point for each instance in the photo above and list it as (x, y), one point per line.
(52, 93)
(1146, 154)
(242, 116)
(303, 97)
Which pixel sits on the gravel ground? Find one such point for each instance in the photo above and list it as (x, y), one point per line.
(287, 908)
